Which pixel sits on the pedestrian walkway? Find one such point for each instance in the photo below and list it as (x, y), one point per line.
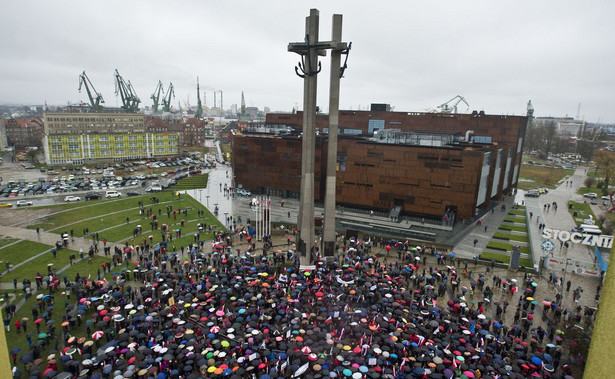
(483, 232)
(23, 234)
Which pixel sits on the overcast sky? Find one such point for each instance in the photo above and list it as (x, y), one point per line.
(414, 55)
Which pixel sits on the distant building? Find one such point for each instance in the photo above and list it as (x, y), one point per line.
(73, 137)
(3, 139)
(191, 132)
(24, 132)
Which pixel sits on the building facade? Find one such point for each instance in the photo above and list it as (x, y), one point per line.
(81, 137)
(24, 132)
(422, 164)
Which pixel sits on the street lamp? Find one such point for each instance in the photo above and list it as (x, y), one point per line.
(207, 197)
(200, 195)
(225, 217)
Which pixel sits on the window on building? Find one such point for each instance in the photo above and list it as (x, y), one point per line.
(341, 161)
(373, 125)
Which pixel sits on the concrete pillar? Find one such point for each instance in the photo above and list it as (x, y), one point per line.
(334, 103)
(305, 222)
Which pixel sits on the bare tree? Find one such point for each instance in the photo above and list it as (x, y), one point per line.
(605, 164)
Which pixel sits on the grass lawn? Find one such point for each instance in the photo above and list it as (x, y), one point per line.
(5, 241)
(583, 211)
(192, 182)
(503, 258)
(511, 236)
(21, 251)
(516, 228)
(517, 212)
(541, 176)
(517, 219)
(39, 265)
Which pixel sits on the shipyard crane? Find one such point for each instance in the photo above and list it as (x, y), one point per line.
(156, 96)
(130, 101)
(96, 98)
(134, 97)
(451, 105)
(166, 100)
(199, 106)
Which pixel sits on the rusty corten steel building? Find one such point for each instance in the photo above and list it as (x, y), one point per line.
(424, 163)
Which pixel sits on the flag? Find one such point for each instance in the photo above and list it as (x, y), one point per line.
(421, 340)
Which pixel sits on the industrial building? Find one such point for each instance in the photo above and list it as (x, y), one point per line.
(79, 136)
(434, 165)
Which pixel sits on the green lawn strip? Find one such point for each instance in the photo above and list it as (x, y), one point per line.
(518, 219)
(503, 258)
(192, 182)
(39, 265)
(487, 255)
(83, 268)
(94, 225)
(21, 251)
(516, 228)
(499, 246)
(5, 241)
(526, 262)
(511, 236)
(517, 213)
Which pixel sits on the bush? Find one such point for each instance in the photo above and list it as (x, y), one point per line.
(589, 181)
(600, 185)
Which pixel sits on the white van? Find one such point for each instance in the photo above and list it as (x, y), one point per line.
(589, 229)
(109, 194)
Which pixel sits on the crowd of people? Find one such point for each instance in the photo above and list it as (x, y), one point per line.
(224, 312)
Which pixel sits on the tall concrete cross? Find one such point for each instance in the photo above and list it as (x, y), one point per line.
(308, 69)
(337, 71)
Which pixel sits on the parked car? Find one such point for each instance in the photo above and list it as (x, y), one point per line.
(93, 196)
(590, 194)
(23, 203)
(109, 194)
(133, 193)
(70, 199)
(243, 192)
(6, 205)
(532, 193)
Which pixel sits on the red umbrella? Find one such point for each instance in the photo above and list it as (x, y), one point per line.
(319, 294)
(38, 320)
(103, 312)
(97, 335)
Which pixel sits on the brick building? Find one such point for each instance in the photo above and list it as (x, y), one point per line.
(24, 132)
(422, 164)
(191, 132)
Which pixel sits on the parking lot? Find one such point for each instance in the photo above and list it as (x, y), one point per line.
(92, 182)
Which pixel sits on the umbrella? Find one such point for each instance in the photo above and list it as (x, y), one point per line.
(97, 335)
(26, 358)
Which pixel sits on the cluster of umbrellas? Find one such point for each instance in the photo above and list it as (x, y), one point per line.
(245, 319)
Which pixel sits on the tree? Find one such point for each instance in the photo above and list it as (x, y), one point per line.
(605, 164)
(589, 182)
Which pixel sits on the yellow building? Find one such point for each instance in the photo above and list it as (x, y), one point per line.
(81, 137)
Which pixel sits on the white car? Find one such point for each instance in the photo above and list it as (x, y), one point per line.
(590, 194)
(23, 203)
(71, 199)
